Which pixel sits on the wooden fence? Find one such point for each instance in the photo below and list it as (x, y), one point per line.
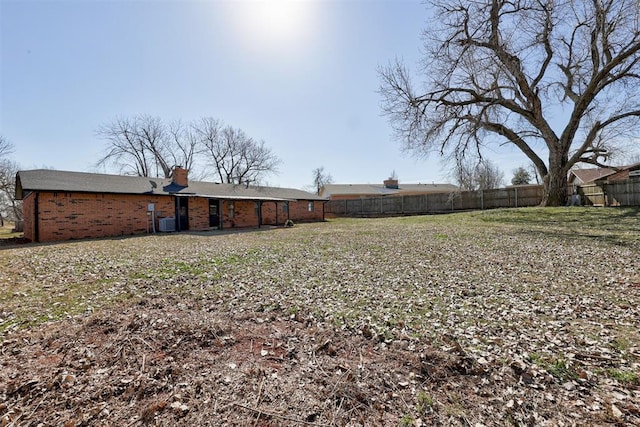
(512, 197)
(617, 193)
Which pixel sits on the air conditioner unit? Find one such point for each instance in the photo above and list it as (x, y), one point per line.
(167, 224)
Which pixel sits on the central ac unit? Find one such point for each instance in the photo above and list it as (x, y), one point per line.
(167, 224)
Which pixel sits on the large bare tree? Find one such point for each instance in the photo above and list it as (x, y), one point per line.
(9, 206)
(235, 157)
(559, 78)
(145, 146)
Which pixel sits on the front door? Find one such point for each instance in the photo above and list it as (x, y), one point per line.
(182, 208)
(214, 215)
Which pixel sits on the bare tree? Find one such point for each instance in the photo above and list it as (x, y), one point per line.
(499, 71)
(321, 178)
(477, 174)
(6, 148)
(235, 157)
(534, 173)
(9, 206)
(143, 145)
(182, 145)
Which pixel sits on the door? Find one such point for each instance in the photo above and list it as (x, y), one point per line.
(182, 209)
(214, 215)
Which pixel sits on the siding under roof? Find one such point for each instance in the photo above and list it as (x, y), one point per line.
(82, 182)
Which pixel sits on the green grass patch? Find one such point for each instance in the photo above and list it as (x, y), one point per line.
(625, 377)
(559, 367)
(424, 402)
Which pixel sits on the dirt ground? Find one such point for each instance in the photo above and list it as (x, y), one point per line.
(166, 362)
(476, 320)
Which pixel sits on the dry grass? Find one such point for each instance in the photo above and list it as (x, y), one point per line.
(6, 232)
(525, 316)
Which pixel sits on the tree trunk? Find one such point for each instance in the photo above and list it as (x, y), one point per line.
(555, 182)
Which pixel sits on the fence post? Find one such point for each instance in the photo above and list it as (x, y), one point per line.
(381, 205)
(516, 196)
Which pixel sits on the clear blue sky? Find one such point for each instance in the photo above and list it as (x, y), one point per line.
(302, 75)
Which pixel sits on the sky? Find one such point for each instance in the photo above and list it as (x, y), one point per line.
(302, 75)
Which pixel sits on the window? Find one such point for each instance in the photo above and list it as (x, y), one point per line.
(285, 207)
(231, 207)
(310, 207)
(256, 209)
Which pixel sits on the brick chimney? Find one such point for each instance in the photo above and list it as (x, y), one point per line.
(391, 183)
(180, 176)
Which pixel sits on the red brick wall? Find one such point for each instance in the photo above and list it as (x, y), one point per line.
(299, 211)
(64, 216)
(269, 213)
(245, 215)
(28, 215)
(198, 213)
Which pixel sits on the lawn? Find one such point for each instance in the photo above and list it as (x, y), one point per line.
(6, 232)
(504, 317)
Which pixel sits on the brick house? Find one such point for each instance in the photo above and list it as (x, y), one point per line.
(60, 205)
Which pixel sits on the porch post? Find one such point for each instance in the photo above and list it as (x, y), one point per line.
(221, 215)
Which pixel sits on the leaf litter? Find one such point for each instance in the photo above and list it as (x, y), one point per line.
(415, 321)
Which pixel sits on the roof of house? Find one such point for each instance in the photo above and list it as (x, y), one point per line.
(585, 176)
(381, 190)
(64, 181)
(589, 175)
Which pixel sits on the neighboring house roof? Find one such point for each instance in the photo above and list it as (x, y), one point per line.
(381, 190)
(82, 182)
(585, 176)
